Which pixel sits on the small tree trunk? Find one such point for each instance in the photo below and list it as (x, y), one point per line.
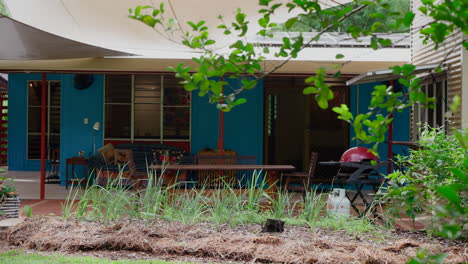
(273, 225)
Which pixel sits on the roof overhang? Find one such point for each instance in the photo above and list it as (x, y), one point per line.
(387, 75)
(139, 65)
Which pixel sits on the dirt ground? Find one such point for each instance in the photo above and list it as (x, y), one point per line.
(204, 242)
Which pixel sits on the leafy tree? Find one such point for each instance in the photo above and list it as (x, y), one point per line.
(244, 60)
(3, 9)
(360, 18)
(365, 20)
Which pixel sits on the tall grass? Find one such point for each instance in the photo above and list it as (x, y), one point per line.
(314, 204)
(227, 205)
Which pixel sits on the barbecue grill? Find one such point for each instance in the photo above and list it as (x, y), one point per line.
(359, 167)
(358, 154)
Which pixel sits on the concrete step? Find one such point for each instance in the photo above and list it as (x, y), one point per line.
(9, 222)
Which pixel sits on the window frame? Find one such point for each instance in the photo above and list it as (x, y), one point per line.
(132, 104)
(48, 108)
(421, 114)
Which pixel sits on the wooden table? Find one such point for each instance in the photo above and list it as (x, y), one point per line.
(273, 177)
(73, 161)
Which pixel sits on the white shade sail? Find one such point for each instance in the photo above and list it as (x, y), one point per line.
(22, 42)
(105, 23)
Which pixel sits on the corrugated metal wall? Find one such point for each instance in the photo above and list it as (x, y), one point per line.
(449, 52)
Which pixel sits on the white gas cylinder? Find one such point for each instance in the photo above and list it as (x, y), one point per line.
(338, 203)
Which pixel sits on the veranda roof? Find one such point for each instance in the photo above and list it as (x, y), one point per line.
(387, 75)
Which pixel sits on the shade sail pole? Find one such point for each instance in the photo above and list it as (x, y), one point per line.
(390, 139)
(43, 133)
(221, 127)
(221, 132)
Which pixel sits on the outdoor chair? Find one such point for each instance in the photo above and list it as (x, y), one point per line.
(53, 165)
(301, 181)
(216, 179)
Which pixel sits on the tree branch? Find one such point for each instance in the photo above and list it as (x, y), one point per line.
(352, 12)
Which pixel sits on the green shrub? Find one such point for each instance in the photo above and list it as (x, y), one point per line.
(431, 172)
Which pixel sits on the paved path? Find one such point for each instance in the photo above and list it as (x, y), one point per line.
(43, 207)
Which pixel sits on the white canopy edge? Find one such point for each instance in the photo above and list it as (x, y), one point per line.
(387, 75)
(138, 65)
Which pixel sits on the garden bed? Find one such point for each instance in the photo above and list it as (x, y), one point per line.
(206, 242)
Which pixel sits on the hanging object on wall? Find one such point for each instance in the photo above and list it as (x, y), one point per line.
(83, 81)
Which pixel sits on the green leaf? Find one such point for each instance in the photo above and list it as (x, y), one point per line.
(408, 20)
(248, 84)
(407, 69)
(210, 42)
(423, 10)
(310, 90)
(239, 101)
(368, 3)
(200, 23)
(322, 103)
(377, 15)
(343, 112)
(385, 42)
(193, 25)
(450, 193)
(264, 2)
(290, 22)
(396, 70)
(455, 106)
(451, 231)
(263, 22)
(339, 56)
(286, 43)
(290, 6)
(138, 10)
(156, 12)
(149, 20)
(375, 26)
(190, 87)
(373, 43)
(240, 17)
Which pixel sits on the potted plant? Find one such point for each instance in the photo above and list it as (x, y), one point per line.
(9, 202)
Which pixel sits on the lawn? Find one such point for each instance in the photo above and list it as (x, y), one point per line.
(20, 257)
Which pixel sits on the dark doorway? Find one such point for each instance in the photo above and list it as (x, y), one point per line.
(295, 125)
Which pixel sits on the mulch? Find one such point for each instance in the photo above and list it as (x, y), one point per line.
(205, 242)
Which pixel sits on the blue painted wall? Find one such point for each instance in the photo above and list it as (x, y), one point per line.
(243, 126)
(18, 120)
(76, 105)
(360, 97)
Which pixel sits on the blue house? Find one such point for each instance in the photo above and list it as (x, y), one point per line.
(97, 96)
(278, 124)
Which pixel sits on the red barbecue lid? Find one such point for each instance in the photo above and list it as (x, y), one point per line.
(358, 154)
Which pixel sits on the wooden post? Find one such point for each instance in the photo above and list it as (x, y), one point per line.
(390, 140)
(43, 133)
(221, 128)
